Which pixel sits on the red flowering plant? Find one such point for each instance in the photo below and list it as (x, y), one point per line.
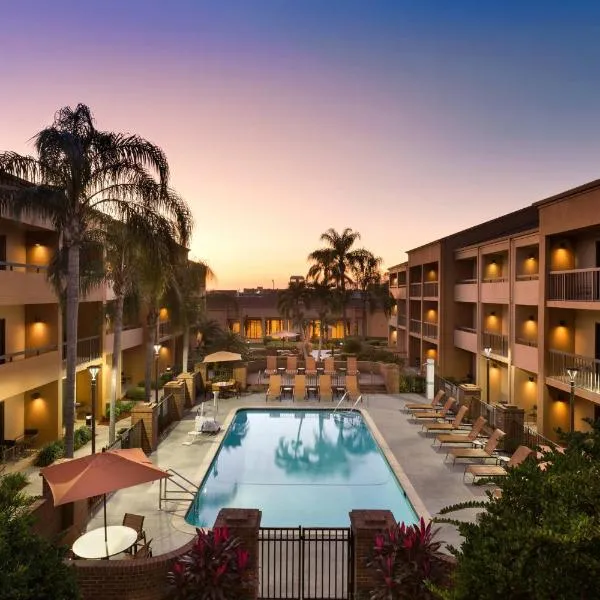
(216, 568)
(405, 558)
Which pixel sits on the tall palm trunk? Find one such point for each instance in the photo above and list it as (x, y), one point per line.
(71, 316)
(364, 317)
(186, 347)
(151, 339)
(116, 363)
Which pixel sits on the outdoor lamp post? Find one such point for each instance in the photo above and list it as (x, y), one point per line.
(156, 354)
(572, 373)
(93, 371)
(487, 351)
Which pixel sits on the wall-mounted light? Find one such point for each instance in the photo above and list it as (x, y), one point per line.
(35, 395)
(531, 379)
(562, 323)
(493, 313)
(531, 257)
(493, 261)
(37, 319)
(562, 245)
(560, 398)
(494, 365)
(531, 318)
(37, 244)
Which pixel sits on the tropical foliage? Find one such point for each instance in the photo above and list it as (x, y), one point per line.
(539, 538)
(216, 568)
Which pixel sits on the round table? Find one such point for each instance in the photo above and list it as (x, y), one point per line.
(92, 545)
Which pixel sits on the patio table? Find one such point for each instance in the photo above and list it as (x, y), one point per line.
(92, 544)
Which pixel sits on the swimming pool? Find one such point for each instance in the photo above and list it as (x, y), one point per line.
(300, 467)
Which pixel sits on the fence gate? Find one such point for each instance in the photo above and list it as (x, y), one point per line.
(302, 563)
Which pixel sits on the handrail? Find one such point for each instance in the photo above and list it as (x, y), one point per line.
(494, 280)
(12, 265)
(466, 329)
(29, 352)
(340, 402)
(567, 271)
(163, 491)
(467, 281)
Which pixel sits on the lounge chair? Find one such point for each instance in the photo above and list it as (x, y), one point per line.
(329, 365)
(300, 387)
(457, 438)
(489, 471)
(271, 365)
(424, 405)
(447, 427)
(484, 453)
(352, 366)
(325, 391)
(291, 367)
(434, 415)
(274, 390)
(311, 366)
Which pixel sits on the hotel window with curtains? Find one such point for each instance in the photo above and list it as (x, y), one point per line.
(234, 326)
(253, 329)
(336, 331)
(274, 326)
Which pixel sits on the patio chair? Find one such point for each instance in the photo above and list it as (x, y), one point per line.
(434, 415)
(311, 366)
(457, 438)
(144, 551)
(478, 453)
(325, 391)
(489, 471)
(329, 365)
(312, 386)
(448, 427)
(423, 405)
(274, 390)
(271, 365)
(300, 387)
(291, 365)
(352, 366)
(135, 522)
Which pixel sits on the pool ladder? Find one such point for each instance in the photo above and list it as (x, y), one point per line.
(337, 406)
(183, 492)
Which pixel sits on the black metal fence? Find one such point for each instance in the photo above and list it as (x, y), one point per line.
(167, 413)
(132, 437)
(306, 563)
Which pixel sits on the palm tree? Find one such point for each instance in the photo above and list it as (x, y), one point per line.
(327, 302)
(367, 279)
(78, 173)
(334, 262)
(292, 301)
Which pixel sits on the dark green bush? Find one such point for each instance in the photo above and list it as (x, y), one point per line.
(414, 384)
(352, 346)
(81, 437)
(49, 453)
(136, 393)
(121, 407)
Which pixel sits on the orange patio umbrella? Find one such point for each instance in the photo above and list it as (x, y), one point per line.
(100, 474)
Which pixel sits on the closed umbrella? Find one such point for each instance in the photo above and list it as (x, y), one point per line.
(100, 474)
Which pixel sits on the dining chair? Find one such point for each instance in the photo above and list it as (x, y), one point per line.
(135, 522)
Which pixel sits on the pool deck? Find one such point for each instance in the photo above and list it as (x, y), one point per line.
(436, 483)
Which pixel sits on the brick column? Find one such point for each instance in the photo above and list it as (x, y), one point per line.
(190, 384)
(244, 524)
(240, 374)
(177, 390)
(510, 419)
(148, 414)
(366, 524)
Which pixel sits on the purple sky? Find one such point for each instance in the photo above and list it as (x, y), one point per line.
(404, 120)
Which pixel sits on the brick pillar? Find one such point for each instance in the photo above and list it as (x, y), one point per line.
(148, 414)
(190, 385)
(177, 390)
(366, 524)
(244, 524)
(240, 374)
(469, 395)
(510, 419)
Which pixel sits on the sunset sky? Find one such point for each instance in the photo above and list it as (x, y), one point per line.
(404, 120)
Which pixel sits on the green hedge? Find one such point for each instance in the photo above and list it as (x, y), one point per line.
(412, 384)
(55, 450)
(120, 408)
(136, 393)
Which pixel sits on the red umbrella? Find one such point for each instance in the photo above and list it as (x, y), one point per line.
(99, 474)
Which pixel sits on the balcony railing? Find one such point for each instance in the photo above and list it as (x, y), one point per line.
(469, 280)
(88, 349)
(496, 341)
(430, 330)
(164, 329)
(494, 279)
(415, 290)
(430, 289)
(588, 370)
(467, 329)
(415, 326)
(578, 285)
(401, 320)
(25, 267)
(528, 277)
(27, 353)
(525, 342)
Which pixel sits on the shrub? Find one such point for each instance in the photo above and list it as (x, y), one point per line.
(216, 568)
(136, 393)
(121, 408)
(412, 384)
(351, 346)
(405, 558)
(81, 437)
(49, 453)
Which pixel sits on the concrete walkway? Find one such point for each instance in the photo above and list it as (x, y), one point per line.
(437, 484)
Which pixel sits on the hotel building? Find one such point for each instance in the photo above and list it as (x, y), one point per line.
(511, 305)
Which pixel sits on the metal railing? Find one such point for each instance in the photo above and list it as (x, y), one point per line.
(87, 349)
(401, 320)
(430, 289)
(24, 267)
(167, 413)
(430, 330)
(526, 342)
(588, 370)
(130, 438)
(579, 285)
(466, 281)
(164, 329)
(415, 290)
(415, 326)
(494, 280)
(465, 328)
(528, 277)
(496, 341)
(27, 353)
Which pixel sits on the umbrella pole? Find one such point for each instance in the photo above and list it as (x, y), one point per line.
(105, 530)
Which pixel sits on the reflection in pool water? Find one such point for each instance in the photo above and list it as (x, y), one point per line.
(300, 468)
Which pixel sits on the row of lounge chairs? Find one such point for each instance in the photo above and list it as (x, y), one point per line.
(303, 388)
(310, 367)
(467, 444)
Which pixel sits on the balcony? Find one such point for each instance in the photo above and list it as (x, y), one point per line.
(164, 329)
(23, 283)
(588, 370)
(430, 289)
(37, 370)
(496, 341)
(575, 285)
(398, 292)
(88, 349)
(525, 355)
(526, 290)
(466, 290)
(415, 290)
(402, 321)
(495, 290)
(131, 337)
(430, 330)
(415, 326)
(466, 338)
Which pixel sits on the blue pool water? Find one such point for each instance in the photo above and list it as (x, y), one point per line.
(300, 467)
